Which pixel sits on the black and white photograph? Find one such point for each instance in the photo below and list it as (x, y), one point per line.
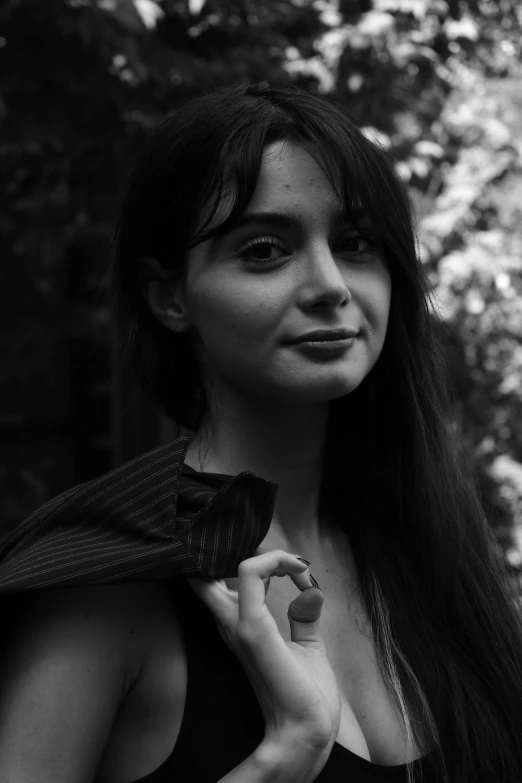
(261, 391)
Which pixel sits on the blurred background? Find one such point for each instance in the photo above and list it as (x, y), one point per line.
(437, 82)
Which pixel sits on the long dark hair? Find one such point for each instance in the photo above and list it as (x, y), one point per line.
(447, 628)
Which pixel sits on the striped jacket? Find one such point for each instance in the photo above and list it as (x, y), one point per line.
(151, 519)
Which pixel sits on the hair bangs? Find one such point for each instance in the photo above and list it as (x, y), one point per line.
(345, 157)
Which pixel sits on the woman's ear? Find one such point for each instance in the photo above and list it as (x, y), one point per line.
(164, 295)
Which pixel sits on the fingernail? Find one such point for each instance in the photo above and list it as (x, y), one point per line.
(314, 582)
(303, 560)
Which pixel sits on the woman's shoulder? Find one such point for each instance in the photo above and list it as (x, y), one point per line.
(87, 646)
(122, 612)
(131, 623)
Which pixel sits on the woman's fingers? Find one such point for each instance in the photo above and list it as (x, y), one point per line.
(253, 574)
(244, 596)
(301, 580)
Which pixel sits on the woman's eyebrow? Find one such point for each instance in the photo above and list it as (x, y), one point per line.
(286, 220)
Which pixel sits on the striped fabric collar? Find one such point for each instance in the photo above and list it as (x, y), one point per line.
(151, 519)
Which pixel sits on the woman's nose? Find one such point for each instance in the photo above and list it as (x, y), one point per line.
(326, 280)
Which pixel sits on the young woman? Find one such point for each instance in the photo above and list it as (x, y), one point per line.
(269, 292)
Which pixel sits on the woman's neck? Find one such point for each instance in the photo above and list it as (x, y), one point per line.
(286, 447)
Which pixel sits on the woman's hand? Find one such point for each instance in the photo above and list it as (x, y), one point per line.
(293, 681)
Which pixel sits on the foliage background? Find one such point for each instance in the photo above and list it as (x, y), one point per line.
(437, 82)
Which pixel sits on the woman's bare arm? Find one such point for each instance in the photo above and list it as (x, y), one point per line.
(69, 663)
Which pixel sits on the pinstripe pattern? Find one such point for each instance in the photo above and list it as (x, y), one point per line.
(152, 518)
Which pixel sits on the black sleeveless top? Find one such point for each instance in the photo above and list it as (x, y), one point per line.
(222, 721)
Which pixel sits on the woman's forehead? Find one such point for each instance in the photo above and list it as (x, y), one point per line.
(290, 181)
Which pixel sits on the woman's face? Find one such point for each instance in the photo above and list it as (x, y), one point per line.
(246, 300)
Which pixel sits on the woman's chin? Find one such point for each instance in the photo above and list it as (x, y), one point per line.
(326, 391)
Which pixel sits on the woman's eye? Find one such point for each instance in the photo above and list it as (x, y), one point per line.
(259, 250)
(352, 243)
(262, 248)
